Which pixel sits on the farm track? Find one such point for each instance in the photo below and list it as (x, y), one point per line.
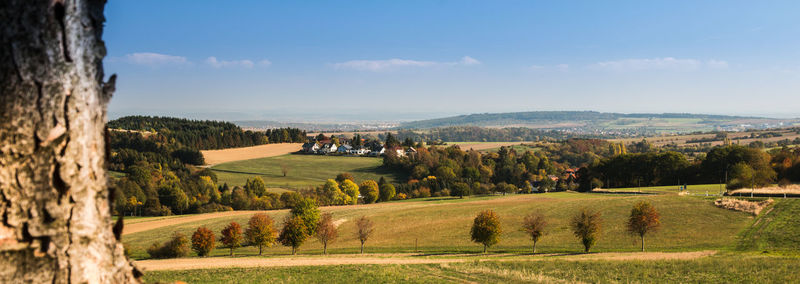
(320, 260)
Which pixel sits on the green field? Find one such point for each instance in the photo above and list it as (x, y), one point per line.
(442, 225)
(303, 170)
(717, 269)
(763, 249)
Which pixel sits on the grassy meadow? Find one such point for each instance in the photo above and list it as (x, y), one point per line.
(303, 170)
(441, 225)
(716, 269)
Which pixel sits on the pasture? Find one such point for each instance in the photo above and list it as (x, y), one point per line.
(303, 171)
(427, 240)
(441, 225)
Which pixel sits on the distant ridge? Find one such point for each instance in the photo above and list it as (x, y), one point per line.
(542, 118)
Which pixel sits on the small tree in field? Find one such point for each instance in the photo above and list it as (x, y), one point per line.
(284, 169)
(326, 231)
(586, 226)
(364, 229)
(486, 229)
(644, 218)
(294, 233)
(232, 236)
(260, 231)
(534, 226)
(203, 241)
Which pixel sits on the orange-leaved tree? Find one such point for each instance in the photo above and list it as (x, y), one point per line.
(644, 219)
(232, 236)
(486, 229)
(364, 229)
(203, 241)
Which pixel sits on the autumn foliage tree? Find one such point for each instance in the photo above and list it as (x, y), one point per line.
(486, 229)
(586, 225)
(534, 226)
(369, 191)
(644, 218)
(294, 233)
(203, 241)
(364, 229)
(326, 231)
(260, 231)
(232, 236)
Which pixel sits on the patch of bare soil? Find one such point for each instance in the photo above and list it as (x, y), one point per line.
(214, 157)
(164, 222)
(320, 260)
(743, 205)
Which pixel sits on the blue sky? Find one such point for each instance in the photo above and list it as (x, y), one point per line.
(386, 60)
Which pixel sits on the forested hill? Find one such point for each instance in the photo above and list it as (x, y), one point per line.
(591, 120)
(205, 134)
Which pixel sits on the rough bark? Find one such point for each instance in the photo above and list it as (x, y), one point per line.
(54, 200)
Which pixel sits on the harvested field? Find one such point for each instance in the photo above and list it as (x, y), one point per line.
(214, 157)
(792, 189)
(743, 205)
(226, 262)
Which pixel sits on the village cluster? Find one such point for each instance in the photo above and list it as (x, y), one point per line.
(370, 149)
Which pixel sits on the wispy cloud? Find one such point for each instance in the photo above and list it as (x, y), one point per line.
(380, 65)
(154, 59)
(664, 63)
(557, 67)
(246, 63)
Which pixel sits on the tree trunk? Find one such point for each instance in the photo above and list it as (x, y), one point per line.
(484, 249)
(55, 204)
(293, 250)
(259, 250)
(325, 248)
(534, 247)
(362, 247)
(642, 243)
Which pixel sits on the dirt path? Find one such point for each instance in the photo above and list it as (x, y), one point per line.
(318, 260)
(163, 222)
(214, 157)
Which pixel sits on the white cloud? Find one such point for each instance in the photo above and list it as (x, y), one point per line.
(246, 63)
(380, 65)
(466, 60)
(665, 63)
(557, 67)
(153, 59)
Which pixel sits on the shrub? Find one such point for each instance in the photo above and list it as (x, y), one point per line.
(387, 192)
(260, 231)
(486, 229)
(203, 241)
(461, 189)
(586, 226)
(369, 191)
(424, 192)
(400, 196)
(178, 246)
(232, 236)
(444, 192)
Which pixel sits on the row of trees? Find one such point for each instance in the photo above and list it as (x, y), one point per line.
(303, 222)
(737, 166)
(586, 225)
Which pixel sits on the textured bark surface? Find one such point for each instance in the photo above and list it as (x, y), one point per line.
(54, 202)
